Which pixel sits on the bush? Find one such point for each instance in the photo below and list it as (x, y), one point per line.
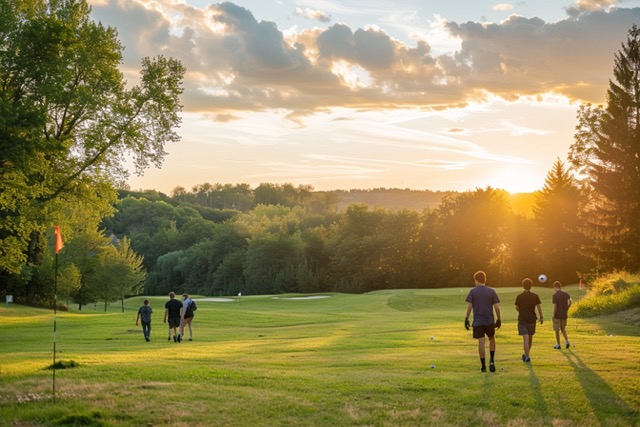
(609, 294)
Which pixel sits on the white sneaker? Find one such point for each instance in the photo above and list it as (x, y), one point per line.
(557, 346)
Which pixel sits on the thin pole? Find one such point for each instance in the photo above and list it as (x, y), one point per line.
(55, 316)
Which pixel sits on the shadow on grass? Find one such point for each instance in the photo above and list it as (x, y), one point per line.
(541, 405)
(606, 403)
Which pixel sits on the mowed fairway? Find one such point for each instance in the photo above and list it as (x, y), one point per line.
(343, 360)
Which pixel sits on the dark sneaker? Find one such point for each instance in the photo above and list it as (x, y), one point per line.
(179, 338)
(483, 369)
(174, 339)
(568, 344)
(492, 367)
(557, 346)
(527, 359)
(169, 339)
(524, 358)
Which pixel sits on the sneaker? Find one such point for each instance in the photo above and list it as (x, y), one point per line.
(567, 346)
(557, 346)
(483, 369)
(524, 358)
(174, 339)
(190, 339)
(492, 367)
(527, 359)
(179, 338)
(169, 339)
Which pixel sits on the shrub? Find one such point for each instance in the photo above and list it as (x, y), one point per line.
(609, 294)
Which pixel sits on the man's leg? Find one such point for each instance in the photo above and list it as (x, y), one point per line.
(481, 353)
(566, 338)
(525, 344)
(492, 352)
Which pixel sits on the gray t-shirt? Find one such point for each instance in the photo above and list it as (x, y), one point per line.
(482, 298)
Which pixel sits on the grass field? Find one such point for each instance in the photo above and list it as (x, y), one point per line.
(344, 360)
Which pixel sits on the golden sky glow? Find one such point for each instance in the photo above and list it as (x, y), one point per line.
(348, 94)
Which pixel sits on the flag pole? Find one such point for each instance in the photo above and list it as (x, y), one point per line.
(55, 313)
(59, 245)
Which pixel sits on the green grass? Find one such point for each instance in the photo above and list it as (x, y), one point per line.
(346, 360)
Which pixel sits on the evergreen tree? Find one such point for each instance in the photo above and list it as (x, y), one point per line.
(607, 150)
(557, 217)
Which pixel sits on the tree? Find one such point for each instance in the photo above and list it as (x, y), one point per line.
(68, 120)
(607, 151)
(557, 216)
(472, 230)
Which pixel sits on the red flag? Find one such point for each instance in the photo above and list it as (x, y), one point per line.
(59, 243)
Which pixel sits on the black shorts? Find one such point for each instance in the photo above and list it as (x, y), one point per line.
(481, 331)
(174, 322)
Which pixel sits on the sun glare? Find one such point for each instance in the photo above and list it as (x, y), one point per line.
(516, 179)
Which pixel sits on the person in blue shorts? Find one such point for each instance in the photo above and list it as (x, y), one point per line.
(483, 300)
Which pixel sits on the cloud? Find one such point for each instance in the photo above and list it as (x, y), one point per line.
(315, 15)
(238, 63)
(502, 7)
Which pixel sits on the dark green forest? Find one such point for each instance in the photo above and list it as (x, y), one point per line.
(70, 124)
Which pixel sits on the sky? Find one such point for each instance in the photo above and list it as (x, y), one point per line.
(441, 95)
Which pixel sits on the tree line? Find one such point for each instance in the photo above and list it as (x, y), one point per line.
(69, 122)
(274, 248)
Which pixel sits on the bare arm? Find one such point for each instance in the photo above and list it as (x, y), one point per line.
(539, 307)
(469, 307)
(166, 313)
(496, 307)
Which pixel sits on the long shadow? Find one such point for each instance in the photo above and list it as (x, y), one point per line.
(541, 404)
(606, 403)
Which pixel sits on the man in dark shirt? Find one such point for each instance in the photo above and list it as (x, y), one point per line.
(483, 300)
(526, 304)
(144, 315)
(561, 303)
(172, 312)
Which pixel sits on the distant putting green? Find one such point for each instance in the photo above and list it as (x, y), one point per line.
(340, 360)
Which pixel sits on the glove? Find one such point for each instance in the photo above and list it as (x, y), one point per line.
(541, 320)
(498, 324)
(466, 323)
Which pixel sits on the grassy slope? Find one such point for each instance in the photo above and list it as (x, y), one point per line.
(343, 360)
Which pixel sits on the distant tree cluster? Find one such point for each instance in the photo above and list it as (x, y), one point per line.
(274, 248)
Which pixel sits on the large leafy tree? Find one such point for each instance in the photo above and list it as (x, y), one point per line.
(68, 119)
(558, 221)
(607, 151)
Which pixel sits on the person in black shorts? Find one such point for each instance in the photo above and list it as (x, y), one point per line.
(483, 300)
(526, 304)
(172, 312)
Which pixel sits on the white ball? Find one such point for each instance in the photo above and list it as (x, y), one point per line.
(433, 366)
(542, 278)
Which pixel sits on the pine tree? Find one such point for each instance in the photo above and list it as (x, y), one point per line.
(558, 222)
(607, 150)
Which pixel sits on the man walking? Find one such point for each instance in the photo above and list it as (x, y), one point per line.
(172, 313)
(561, 303)
(483, 300)
(526, 304)
(144, 315)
